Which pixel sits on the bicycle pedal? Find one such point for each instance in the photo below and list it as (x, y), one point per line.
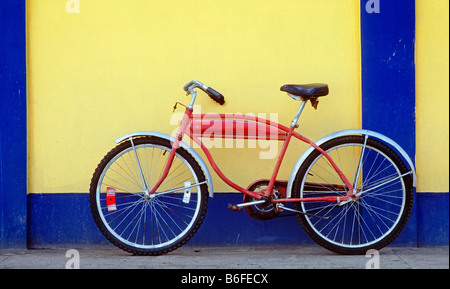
(234, 207)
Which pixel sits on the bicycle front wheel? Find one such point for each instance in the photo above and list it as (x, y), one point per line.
(374, 218)
(148, 226)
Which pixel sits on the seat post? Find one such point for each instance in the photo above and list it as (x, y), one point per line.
(294, 123)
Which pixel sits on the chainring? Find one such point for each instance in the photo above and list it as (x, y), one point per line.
(264, 211)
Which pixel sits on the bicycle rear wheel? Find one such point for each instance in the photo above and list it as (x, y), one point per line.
(370, 221)
(148, 226)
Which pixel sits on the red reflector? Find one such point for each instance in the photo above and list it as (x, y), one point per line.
(111, 199)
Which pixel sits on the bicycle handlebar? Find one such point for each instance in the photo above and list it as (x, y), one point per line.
(214, 95)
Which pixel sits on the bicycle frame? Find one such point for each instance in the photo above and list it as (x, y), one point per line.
(247, 127)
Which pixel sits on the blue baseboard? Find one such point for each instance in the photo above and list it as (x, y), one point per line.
(433, 219)
(63, 220)
(58, 220)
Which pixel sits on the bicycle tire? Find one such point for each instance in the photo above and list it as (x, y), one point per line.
(373, 220)
(137, 225)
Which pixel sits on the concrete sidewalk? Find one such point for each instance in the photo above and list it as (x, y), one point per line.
(190, 257)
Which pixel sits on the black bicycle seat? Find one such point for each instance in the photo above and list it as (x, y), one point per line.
(306, 90)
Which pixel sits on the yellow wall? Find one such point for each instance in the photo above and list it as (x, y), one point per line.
(119, 66)
(432, 95)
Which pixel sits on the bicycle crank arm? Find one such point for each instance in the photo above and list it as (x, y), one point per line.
(239, 207)
(281, 206)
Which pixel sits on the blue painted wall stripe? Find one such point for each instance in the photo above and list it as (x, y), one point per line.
(388, 71)
(388, 80)
(13, 121)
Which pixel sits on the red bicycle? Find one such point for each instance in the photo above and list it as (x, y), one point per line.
(351, 190)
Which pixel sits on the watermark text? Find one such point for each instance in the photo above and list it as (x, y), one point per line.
(374, 261)
(373, 6)
(73, 6)
(74, 259)
(234, 131)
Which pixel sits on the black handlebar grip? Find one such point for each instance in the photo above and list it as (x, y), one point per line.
(216, 96)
